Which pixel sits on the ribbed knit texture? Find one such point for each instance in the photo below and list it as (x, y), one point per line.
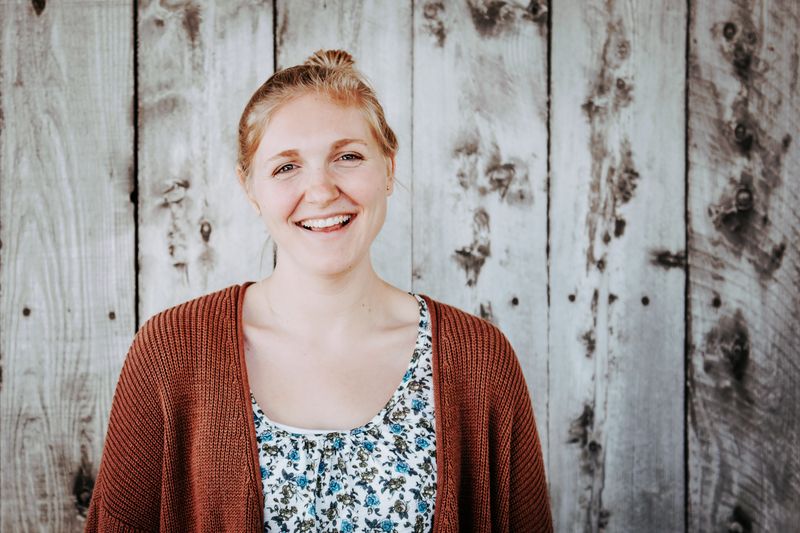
(181, 452)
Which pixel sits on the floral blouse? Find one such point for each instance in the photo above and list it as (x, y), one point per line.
(377, 477)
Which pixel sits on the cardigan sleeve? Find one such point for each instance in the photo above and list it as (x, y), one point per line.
(529, 503)
(528, 499)
(127, 492)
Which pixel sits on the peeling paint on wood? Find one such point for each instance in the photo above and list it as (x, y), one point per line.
(581, 427)
(494, 17)
(434, 25)
(491, 173)
(191, 22)
(668, 259)
(485, 311)
(491, 17)
(614, 173)
(472, 257)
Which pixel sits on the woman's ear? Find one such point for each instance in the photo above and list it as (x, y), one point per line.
(390, 165)
(245, 183)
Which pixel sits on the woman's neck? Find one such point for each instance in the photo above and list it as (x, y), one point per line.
(303, 303)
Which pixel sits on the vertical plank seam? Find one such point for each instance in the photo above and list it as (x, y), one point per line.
(274, 35)
(411, 148)
(135, 193)
(686, 291)
(548, 228)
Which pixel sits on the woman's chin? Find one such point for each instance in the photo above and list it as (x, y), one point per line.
(326, 265)
(332, 270)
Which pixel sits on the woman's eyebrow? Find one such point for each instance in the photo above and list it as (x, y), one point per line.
(286, 153)
(292, 152)
(342, 142)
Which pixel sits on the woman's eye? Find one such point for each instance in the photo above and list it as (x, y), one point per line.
(287, 166)
(351, 157)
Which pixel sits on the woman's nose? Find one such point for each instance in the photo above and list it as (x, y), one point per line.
(321, 188)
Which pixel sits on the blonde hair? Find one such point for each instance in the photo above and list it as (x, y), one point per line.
(327, 72)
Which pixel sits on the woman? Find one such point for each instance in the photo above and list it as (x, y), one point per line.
(263, 406)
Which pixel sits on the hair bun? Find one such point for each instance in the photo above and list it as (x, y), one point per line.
(331, 59)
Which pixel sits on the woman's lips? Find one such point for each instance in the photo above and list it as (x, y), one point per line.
(329, 229)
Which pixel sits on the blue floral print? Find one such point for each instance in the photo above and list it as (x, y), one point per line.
(378, 477)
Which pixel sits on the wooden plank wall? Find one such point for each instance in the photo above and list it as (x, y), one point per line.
(613, 184)
(618, 231)
(744, 296)
(67, 250)
(480, 171)
(198, 64)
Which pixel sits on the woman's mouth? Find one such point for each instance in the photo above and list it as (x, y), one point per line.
(326, 225)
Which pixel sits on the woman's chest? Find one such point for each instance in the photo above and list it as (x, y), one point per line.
(341, 385)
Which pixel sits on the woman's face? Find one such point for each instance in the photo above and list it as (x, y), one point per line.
(321, 183)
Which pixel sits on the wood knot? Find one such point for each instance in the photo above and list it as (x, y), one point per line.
(729, 31)
(743, 136)
(205, 231)
(744, 199)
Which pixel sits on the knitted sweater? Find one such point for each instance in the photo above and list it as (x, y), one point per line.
(181, 453)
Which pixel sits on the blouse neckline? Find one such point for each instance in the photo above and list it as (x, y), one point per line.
(377, 419)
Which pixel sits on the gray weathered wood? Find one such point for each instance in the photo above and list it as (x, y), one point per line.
(66, 262)
(199, 62)
(480, 170)
(378, 36)
(617, 238)
(744, 402)
(601, 331)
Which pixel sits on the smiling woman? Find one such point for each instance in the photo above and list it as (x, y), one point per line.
(319, 173)
(321, 397)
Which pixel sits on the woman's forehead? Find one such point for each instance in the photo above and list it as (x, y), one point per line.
(313, 125)
(312, 111)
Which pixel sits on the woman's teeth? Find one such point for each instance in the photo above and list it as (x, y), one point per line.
(320, 223)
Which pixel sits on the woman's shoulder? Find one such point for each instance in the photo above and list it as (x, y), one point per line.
(470, 347)
(183, 324)
(475, 358)
(456, 324)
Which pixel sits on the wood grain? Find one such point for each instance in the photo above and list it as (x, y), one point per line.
(66, 261)
(480, 170)
(744, 403)
(199, 62)
(617, 277)
(604, 328)
(378, 36)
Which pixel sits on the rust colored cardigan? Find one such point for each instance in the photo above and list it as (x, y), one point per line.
(181, 455)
